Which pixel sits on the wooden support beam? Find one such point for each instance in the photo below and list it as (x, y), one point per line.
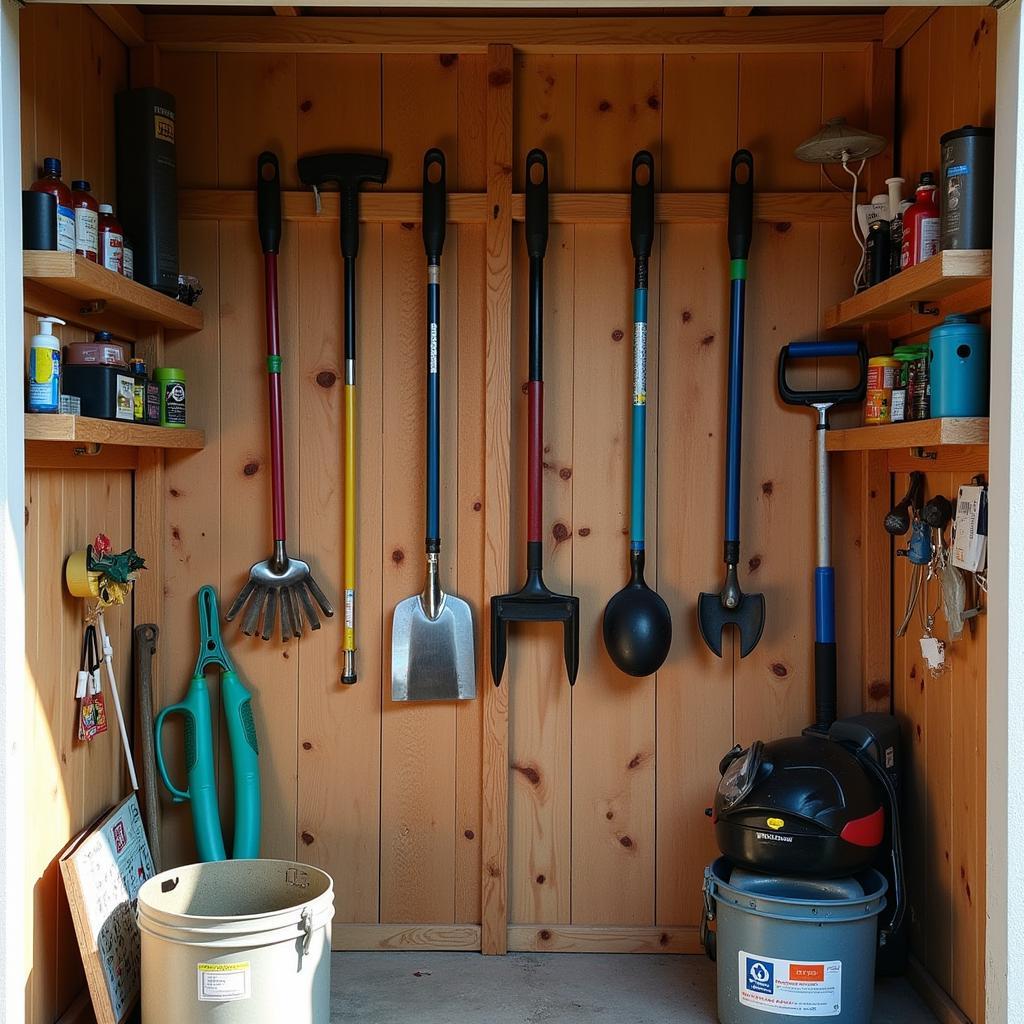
(900, 23)
(570, 938)
(785, 33)
(124, 20)
(497, 496)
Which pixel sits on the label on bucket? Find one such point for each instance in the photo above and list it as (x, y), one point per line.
(219, 983)
(796, 988)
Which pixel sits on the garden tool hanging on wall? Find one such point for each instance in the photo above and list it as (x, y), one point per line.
(535, 602)
(281, 581)
(349, 171)
(199, 747)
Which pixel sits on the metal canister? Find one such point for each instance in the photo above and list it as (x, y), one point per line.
(965, 188)
(883, 375)
(878, 254)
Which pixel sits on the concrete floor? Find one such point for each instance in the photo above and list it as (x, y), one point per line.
(536, 988)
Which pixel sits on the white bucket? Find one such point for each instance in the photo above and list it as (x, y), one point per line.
(237, 941)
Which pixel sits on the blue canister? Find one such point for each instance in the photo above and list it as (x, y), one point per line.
(958, 351)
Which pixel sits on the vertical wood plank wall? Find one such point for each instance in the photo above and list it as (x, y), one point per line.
(946, 75)
(608, 781)
(71, 67)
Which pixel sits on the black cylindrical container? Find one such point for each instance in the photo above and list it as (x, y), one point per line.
(966, 188)
(878, 252)
(38, 220)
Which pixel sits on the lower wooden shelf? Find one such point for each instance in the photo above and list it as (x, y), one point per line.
(85, 430)
(949, 430)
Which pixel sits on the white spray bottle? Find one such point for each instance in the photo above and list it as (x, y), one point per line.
(44, 368)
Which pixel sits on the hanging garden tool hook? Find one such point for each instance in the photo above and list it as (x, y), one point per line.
(535, 602)
(349, 171)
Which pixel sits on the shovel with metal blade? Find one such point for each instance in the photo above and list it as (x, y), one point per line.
(535, 602)
(731, 607)
(432, 650)
(280, 581)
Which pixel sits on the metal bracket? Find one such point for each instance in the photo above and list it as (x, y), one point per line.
(92, 448)
(93, 307)
(923, 453)
(927, 309)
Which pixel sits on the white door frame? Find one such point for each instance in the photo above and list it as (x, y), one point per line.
(1004, 980)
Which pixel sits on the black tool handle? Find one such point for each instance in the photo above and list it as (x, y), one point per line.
(641, 205)
(268, 201)
(434, 203)
(536, 203)
(741, 204)
(823, 350)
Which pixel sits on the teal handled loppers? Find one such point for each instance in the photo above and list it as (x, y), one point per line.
(199, 757)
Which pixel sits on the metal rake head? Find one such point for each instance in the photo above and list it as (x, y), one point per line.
(279, 583)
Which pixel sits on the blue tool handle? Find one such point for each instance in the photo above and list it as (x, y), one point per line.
(825, 666)
(734, 423)
(822, 350)
(245, 766)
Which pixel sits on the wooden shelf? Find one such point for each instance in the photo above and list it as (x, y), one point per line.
(917, 434)
(943, 275)
(85, 430)
(75, 276)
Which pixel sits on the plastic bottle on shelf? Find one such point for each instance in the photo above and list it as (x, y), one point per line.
(128, 259)
(111, 240)
(50, 182)
(921, 224)
(44, 368)
(87, 219)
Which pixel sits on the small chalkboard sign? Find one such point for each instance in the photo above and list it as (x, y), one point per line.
(103, 870)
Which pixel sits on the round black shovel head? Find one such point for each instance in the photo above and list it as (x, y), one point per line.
(637, 630)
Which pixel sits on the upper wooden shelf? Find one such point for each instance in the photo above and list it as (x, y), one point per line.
(916, 434)
(86, 430)
(943, 275)
(75, 276)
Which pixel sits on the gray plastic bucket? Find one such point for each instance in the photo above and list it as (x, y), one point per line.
(237, 942)
(793, 948)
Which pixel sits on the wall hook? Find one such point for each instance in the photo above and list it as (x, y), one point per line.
(92, 448)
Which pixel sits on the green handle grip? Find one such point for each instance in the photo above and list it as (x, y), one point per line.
(199, 765)
(245, 766)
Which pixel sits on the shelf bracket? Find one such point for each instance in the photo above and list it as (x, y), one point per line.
(93, 307)
(926, 308)
(88, 450)
(923, 453)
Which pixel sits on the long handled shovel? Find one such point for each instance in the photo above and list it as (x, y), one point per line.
(535, 602)
(349, 171)
(432, 635)
(731, 607)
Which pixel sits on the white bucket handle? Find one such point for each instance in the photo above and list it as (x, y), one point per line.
(307, 929)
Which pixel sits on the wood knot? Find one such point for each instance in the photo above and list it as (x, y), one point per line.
(604, 106)
(878, 689)
(544, 935)
(175, 535)
(251, 468)
(398, 556)
(307, 745)
(609, 815)
(306, 106)
(754, 564)
(920, 734)
(779, 669)
(544, 115)
(708, 339)
(496, 211)
(560, 532)
(584, 531)
(525, 387)
(617, 335)
(175, 493)
(653, 102)
(637, 760)
(768, 488)
(327, 378)
(407, 225)
(783, 226)
(307, 838)
(626, 842)
(541, 879)
(469, 834)
(687, 316)
(565, 473)
(663, 939)
(528, 772)
(447, 60)
(477, 506)
(499, 77)
(493, 870)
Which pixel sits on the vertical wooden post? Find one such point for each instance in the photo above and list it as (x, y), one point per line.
(876, 583)
(497, 429)
(881, 107)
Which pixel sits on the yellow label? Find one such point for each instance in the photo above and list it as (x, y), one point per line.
(222, 968)
(775, 823)
(164, 128)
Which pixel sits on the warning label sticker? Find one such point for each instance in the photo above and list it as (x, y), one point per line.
(220, 983)
(796, 988)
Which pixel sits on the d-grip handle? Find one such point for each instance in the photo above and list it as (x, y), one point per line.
(178, 795)
(822, 350)
(741, 204)
(434, 204)
(536, 203)
(268, 201)
(641, 205)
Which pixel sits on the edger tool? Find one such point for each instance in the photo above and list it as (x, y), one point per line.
(349, 171)
(731, 607)
(535, 602)
(432, 650)
(199, 757)
(279, 581)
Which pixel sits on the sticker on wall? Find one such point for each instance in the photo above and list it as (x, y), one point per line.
(790, 987)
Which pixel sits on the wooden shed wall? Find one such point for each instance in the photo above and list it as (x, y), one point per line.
(71, 67)
(946, 75)
(607, 781)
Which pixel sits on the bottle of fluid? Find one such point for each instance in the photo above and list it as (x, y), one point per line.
(921, 224)
(44, 368)
(50, 182)
(87, 220)
(111, 240)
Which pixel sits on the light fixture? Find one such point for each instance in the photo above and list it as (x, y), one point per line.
(840, 143)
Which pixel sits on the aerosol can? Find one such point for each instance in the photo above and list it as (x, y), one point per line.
(44, 368)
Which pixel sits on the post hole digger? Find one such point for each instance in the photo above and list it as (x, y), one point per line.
(349, 171)
(432, 649)
(535, 602)
(731, 607)
(280, 581)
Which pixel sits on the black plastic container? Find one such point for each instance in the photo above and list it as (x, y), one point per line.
(147, 190)
(878, 252)
(965, 192)
(38, 220)
(106, 392)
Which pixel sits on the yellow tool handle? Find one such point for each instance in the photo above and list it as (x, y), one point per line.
(349, 567)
